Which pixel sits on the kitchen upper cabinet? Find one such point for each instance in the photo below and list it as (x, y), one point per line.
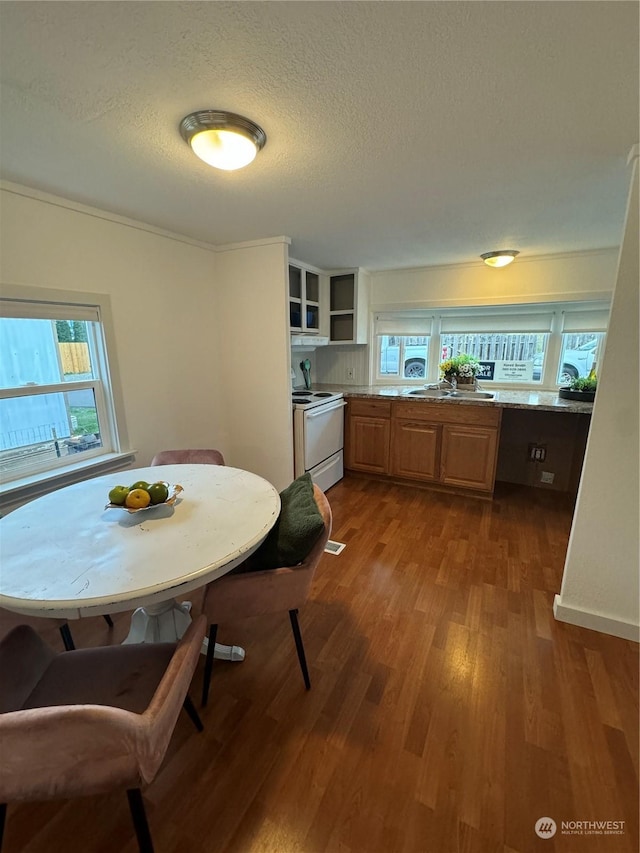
(368, 428)
(304, 298)
(349, 307)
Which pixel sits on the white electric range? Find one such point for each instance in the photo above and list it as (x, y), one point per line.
(310, 399)
(318, 435)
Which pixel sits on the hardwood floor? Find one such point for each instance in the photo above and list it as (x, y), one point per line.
(448, 709)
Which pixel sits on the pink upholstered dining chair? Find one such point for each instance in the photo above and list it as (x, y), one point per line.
(188, 457)
(241, 594)
(89, 721)
(10, 620)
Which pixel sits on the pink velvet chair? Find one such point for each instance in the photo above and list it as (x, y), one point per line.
(10, 620)
(241, 594)
(89, 721)
(188, 457)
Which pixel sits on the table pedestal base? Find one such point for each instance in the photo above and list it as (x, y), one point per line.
(166, 622)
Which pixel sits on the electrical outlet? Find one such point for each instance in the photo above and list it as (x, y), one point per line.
(546, 477)
(537, 452)
(350, 373)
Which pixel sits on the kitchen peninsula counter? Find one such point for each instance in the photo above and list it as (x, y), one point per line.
(542, 401)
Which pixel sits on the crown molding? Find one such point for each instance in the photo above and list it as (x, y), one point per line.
(251, 244)
(97, 213)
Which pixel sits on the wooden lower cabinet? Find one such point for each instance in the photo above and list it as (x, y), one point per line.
(453, 446)
(468, 458)
(415, 449)
(368, 429)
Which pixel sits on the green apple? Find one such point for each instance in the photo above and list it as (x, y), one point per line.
(159, 492)
(140, 484)
(118, 495)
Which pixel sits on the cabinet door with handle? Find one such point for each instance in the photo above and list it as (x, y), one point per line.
(415, 449)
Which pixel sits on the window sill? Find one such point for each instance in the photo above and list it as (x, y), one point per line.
(18, 492)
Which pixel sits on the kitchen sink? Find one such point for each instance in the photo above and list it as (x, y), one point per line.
(445, 392)
(471, 395)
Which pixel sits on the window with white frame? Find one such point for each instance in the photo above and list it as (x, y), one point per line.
(583, 334)
(56, 400)
(403, 345)
(508, 344)
(518, 346)
(403, 356)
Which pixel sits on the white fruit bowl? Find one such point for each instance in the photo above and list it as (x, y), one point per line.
(174, 491)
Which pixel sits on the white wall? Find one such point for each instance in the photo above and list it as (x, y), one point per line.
(253, 355)
(341, 365)
(583, 275)
(600, 587)
(164, 305)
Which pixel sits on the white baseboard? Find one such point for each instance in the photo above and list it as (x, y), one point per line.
(595, 621)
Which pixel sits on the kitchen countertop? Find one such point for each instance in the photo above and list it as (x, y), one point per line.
(546, 401)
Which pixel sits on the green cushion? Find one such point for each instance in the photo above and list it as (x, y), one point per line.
(295, 532)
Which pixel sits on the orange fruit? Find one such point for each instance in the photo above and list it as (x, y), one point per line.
(137, 499)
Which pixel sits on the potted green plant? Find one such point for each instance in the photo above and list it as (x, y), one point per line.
(462, 369)
(581, 388)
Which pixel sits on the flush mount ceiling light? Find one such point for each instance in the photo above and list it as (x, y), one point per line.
(223, 140)
(500, 258)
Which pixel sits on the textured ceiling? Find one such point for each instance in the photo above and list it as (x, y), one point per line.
(398, 134)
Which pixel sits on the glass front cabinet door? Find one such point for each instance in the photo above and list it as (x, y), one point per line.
(304, 299)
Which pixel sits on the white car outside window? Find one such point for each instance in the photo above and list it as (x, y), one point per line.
(414, 357)
(574, 363)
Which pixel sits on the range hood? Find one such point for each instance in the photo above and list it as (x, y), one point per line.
(308, 342)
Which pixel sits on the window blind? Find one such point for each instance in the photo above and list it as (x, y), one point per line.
(595, 320)
(534, 322)
(23, 309)
(403, 324)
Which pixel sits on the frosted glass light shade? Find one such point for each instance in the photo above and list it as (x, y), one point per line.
(224, 149)
(223, 140)
(501, 258)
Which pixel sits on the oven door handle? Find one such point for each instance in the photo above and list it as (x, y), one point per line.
(322, 410)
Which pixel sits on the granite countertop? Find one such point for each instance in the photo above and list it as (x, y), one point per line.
(546, 401)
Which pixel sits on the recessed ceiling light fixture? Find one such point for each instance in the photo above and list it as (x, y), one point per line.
(501, 258)
(223, 140)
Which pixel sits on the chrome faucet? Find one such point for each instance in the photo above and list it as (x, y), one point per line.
(443, 384)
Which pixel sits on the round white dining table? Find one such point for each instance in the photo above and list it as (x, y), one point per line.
(65, 555)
